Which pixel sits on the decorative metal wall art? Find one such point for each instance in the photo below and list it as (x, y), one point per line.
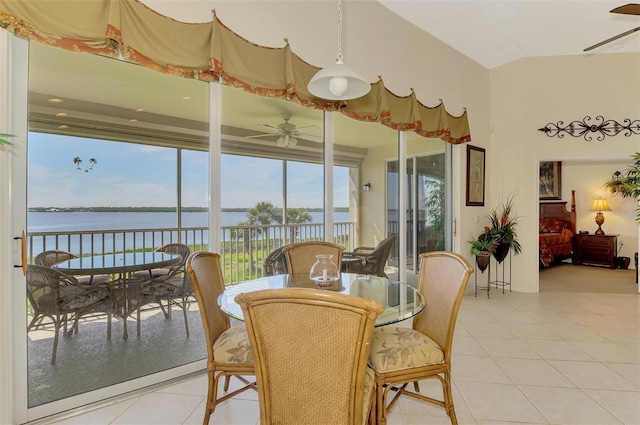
(585, 128)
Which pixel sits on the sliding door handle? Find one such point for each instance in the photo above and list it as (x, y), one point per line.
(23, 253)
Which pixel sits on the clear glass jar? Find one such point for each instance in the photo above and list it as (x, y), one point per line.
(324, 271)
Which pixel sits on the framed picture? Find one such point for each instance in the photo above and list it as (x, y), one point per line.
(475, 176)
(550, 180)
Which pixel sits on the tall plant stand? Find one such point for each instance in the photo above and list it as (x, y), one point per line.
(500, 273)
(484, 288)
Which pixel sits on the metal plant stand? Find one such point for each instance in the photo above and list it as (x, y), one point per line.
(500, 278)
(484, 288)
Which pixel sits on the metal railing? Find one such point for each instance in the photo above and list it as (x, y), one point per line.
(242, 248)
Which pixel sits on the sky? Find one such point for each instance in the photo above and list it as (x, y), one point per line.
(129, 174)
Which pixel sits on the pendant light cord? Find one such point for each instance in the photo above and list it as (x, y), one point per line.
(339, 31)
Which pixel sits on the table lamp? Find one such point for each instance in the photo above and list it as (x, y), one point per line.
(599, 205)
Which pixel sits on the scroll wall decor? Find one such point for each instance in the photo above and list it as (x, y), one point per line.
(585, 128)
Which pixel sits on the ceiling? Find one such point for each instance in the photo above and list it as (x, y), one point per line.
(489, 32)
(494, 33)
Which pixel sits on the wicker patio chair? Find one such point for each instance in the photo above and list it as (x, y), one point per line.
(275, 263)
(401, 355)
(374, 259)
(60, 297)
(301, 256)
(310, 349)
(170, 285)
(228, 348)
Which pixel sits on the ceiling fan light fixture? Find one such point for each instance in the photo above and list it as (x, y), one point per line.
(338, 82)
(286, 141)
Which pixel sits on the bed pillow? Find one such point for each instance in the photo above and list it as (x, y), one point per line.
(551, 225)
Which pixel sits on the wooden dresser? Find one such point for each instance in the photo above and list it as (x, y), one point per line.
(596, 249)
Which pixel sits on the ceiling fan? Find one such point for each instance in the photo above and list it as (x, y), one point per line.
(287, 133)
(627, 9)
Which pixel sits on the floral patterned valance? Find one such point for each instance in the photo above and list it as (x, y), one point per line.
(212, 52)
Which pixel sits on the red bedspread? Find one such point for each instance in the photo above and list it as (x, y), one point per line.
(555, 246)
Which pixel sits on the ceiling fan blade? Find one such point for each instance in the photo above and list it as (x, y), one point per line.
(257, 136)
(269, 126)
(609, 40)
(308, 127)
(627, 9)
(309, 137)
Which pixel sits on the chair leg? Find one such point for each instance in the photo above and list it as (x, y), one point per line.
(448, 399)
(186, 322)
(56, 329)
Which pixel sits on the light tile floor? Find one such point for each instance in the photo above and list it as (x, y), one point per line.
(546, 358)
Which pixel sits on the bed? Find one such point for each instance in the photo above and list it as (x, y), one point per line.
(556, 230)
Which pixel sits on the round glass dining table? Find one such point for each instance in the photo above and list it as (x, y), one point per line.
(400, 300)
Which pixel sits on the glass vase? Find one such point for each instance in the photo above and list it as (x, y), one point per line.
(324, 271)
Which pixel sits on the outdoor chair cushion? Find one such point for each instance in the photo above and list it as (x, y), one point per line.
(73, 299)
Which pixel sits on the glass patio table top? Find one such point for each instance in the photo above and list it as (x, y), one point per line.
(400, 300)
(115, 263)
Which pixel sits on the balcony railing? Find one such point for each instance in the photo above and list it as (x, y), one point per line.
(242, 248)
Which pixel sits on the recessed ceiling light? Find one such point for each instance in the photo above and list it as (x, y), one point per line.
(139, 110)
(133, 120)
(186, 97)
(63, 126)
(55, 100)
(61, 114)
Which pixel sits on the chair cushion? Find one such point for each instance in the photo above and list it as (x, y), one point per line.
(397, 348)
(232, 346)
(164, 289)
(369, 381)
(72, 298)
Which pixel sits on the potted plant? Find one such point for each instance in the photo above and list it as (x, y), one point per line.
(503, 229)
(627, 183)
(482, 247)
(3, 140)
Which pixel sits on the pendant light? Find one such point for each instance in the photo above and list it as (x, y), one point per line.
(338, 82)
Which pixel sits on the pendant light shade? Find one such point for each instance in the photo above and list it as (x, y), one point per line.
(338, 82)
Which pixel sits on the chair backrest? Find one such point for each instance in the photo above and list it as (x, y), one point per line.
(442, 281)
(310, 350)
(52, 257)
(301, 256)
(377, 260)
(275, 263)
(43, 287)
(207, 280)
(176, 248)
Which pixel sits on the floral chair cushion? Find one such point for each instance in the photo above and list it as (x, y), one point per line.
(396, 348)
(369, 381)
(232, 346)
(72, 298)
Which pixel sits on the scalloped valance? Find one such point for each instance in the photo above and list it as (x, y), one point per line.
(212, 52)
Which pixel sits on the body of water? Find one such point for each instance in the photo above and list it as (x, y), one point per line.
(73, 221)
(61, 222)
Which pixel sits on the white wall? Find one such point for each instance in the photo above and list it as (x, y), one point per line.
(528, 94)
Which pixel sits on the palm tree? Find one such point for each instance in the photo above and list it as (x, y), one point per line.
(77, 160)
(297, 216)
(93, 162)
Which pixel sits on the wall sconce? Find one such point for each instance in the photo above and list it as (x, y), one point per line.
(600, 205)
(366, 187)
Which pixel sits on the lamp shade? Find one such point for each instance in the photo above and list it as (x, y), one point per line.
(338, 82)
(600, 205)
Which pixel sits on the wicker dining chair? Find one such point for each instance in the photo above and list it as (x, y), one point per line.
(302, 256)
(310, 350)
(374, 259)
(401, 355)
(228, 348)
(60, 297)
